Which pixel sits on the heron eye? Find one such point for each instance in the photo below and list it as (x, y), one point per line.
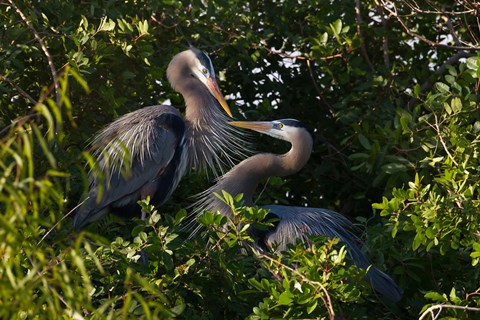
(204, 71)
(279, 125)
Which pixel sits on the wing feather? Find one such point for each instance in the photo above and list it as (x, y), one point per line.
(132, 154)
(298, 223)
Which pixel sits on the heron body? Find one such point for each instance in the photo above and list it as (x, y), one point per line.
(293, 223)
(147, 152)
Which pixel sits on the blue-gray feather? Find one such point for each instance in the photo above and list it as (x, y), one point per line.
(128, 169)
(299, 223)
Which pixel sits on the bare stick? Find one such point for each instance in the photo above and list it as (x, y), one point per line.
(63, 218)
(452, 60)
(392, 9)
(326, 300)
(45, 51)
(319, 92)
(299, 57)
(261, 192)
(416, 8)
(452, 30)
(386, 58)
(19, 121)
(20, 90)
(439, 307)
(358, 20)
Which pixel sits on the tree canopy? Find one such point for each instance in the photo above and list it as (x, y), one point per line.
(390, 88)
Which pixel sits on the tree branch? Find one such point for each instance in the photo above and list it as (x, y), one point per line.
(358, 20)
(390, 7)
(326, 300)
(20, 90)
(299, 57)
(19, 121)
(44, 49)
(386, 58)
(317, 89)
(439, 307)
(429, 82)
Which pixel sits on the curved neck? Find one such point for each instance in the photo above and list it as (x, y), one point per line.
(250, 172)
(245, 176)
(208, 132)
(200, 105)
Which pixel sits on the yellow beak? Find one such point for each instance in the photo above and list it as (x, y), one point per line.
(215, 90)
(259, 126)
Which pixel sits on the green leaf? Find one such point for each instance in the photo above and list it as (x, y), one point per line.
(472, 63)
(452, 70)
(364, 141)
(285, 298)
(435, 296)
(417, 90)
(323, 38)
(336, 28)
(456, 105)
(450, 79)
(418, 240)
(312, 307)
(442, 87)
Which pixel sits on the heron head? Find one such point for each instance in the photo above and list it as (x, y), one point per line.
(195, 63)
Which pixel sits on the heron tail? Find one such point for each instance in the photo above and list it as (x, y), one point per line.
(87, 213)
(379, 280)
(384, 284)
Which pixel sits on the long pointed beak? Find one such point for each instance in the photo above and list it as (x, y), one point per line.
(259, 126)
(215, 90)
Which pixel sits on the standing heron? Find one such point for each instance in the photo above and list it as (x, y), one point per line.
(147, 152)
(293, 223)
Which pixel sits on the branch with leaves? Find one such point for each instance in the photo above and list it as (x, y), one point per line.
(393, 10)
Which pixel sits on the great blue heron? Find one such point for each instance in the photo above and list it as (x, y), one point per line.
(146, 152)
(294, 223)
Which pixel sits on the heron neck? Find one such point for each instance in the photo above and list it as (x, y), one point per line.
(201, 106)
(209, 135)
(246, 176)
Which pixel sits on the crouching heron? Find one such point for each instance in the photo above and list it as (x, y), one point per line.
(146, 152)
(294, 223)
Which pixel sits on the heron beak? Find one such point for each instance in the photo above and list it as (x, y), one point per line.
(259, 126)
(215, 90)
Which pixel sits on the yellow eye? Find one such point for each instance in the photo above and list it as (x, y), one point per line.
(278, 125)
(204, 70)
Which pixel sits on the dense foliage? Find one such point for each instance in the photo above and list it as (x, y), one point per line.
(390, 88)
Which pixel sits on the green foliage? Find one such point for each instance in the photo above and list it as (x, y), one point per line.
(396, 117)
(438, 210)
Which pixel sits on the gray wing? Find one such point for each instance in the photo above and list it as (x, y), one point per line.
(298, 223)
(133, 154)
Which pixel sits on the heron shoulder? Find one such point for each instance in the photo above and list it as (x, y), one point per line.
(137, 126)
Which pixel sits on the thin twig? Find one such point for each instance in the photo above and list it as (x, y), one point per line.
(439, 307)
(386, 57)
(436, 127)
(392, 9)
(452, 60)
(300, 57)
(261, 192)
(416, 8)
(326, 300)
(358, 20)
(452, 30)
(317, 89)
(20, 90)
(45, 51)
(20, 121)
(63, 218)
